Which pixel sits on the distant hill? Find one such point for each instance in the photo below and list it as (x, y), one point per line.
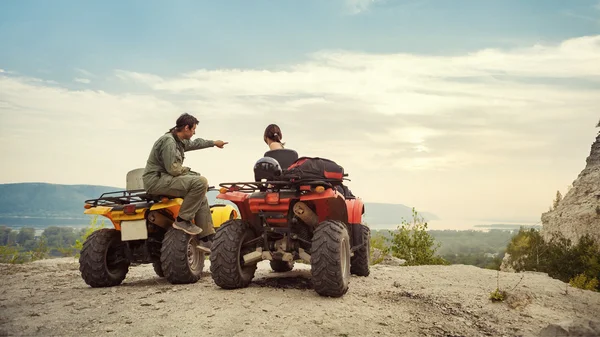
(47, 200)
(391, 214)
(43, 204)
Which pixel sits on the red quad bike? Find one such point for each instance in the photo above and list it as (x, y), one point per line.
(301, 212)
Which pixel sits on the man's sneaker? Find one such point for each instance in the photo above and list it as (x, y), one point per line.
(187, 227)
(205, 243)
(205, 246)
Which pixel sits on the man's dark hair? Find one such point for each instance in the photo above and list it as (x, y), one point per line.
(183, 121)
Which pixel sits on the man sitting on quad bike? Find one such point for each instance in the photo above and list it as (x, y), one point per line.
(165, 175)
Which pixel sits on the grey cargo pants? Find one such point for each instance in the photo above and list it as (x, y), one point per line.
(192, 187)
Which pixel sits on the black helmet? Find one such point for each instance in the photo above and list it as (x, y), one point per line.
(266, 168)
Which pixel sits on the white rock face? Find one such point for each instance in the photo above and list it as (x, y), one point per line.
(578, 213)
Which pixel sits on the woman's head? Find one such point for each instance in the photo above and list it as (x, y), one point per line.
(273, 133)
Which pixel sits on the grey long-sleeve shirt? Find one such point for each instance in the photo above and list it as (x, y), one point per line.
(167, 156)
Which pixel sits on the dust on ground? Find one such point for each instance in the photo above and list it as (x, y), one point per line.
(49, 298)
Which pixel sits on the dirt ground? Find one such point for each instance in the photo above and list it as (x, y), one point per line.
(49, 298)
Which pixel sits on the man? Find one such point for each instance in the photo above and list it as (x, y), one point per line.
(165, 174)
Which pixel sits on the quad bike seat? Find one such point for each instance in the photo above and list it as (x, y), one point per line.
(285, 157)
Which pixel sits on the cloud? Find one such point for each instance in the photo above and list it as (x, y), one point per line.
(358, 6)
(589, 16)
(483, 129)
(84, 72)
(428, 99)
(82, 80)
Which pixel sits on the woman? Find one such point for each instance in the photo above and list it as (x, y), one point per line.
(273, 137)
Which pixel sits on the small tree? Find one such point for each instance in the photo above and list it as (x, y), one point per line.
(413, 243)
(577, 264)
(89, 230)
(557, 200)
(41, 250)
(527, 250)
(379, 242)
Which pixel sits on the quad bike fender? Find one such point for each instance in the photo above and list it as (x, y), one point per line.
(117, 216)
(99, 210)
(330, 205)
(175, 202)
(222, 213)
(105, 212)
(239, 199)
(234, 196)
(356, 209)
(172, 206)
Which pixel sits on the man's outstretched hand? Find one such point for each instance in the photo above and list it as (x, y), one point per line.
(220, 143)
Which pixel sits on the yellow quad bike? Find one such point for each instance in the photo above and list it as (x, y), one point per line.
(143, 233)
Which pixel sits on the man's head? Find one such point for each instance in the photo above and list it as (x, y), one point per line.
(185, 126)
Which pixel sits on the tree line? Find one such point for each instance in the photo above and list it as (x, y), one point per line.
(20, 246)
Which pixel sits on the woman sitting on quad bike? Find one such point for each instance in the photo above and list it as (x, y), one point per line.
(273, 136)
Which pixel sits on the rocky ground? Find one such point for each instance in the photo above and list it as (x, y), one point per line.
(49, 298)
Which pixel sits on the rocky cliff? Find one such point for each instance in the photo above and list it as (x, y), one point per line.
(578, 213)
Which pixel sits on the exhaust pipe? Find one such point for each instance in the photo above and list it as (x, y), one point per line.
(306, 214)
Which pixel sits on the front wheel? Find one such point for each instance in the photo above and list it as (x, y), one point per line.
(102, 261)
(158, 269)
(359, 264)
(226, 262)
(330, 259)
(181, 260)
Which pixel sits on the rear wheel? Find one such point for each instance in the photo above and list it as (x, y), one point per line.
(181, 260)
(330, 259)
(359, 264)
(158, 269)
(226, 262)
(280, 266)
(102, 261)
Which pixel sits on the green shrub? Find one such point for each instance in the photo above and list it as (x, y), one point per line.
(413, 243)
(11, 254)
(89, 230)
(581, 281)
(498, 295)
(40, 251)
(378, 241)
(527, 250)
(577, 264)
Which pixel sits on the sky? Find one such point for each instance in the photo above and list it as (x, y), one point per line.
(476, 111)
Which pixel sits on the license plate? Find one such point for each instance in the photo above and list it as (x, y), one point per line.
(134, 230)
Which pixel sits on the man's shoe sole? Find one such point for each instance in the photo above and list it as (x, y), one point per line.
(204, 249)
(187, 231)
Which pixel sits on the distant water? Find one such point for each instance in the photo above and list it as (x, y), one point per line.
(40, 223)
(446, 224)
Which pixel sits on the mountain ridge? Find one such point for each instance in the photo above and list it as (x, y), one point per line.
(27, 201)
